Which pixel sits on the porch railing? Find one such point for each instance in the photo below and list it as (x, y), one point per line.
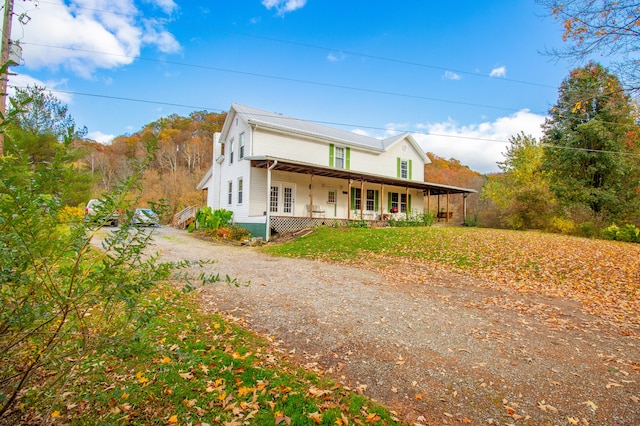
(184, 217)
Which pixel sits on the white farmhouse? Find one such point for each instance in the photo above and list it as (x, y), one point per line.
(281, 174)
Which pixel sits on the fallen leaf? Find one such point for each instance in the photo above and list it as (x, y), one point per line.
(315, 417)
(173, 419)
(591, 405)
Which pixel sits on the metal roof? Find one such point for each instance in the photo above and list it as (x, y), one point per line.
(316, 170)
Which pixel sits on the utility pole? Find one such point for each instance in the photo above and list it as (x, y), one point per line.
(4, 61)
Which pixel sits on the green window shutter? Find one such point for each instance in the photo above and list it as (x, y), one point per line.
(410, 169)
(376, 204)
(353, 198)
(399, 165)
(409, 203)
(347, 164)
(331, 154)
(388, 201)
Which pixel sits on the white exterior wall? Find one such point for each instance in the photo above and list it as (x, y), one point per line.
(307, 150)
(226, 172)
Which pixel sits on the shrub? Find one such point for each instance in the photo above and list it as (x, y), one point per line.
(628, 233)
(415, 219)
(70, 214)
(561, 225)
(57, 293)
(208, 219)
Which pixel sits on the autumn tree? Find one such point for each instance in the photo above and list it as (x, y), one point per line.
(521, 193)
(608, 28)
(591, 145)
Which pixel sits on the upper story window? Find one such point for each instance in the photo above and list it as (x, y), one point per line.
(231, 151)
(404, 169)
(241, 146)
(339, 157)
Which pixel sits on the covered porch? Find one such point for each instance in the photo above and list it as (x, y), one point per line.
(365, 196)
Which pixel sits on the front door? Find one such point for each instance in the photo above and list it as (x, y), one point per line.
(282, 199)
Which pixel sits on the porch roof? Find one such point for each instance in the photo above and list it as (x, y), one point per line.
(285, 165)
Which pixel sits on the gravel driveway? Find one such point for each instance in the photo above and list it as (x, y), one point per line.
(446, 351)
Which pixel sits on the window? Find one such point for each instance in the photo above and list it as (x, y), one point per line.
(241, 143)
(332, 196)
(239, 190)
(404, 169)
(231, 151)
(394, 202)
(370, 205)
(339, 157)
(287, 199)
(397, 202)
(273, 199)
(230, 196)
(339, 160)
(356, 198)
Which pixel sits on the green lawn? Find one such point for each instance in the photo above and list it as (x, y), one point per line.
(603, 275)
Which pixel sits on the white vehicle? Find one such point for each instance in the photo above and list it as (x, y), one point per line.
(96, 212)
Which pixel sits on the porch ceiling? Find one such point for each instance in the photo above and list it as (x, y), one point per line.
(315, 170)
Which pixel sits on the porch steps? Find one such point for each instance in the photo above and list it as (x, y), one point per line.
(184, 217)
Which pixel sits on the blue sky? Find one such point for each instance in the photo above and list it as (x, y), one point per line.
(462, 76)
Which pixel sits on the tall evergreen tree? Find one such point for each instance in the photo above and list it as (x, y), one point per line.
(591, 145)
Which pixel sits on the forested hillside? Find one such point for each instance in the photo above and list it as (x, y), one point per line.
(182, 156)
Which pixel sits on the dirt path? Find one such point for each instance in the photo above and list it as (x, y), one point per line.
(446, 351)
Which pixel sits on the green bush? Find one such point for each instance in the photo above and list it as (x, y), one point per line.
(560, 225)
(415, 218)
(208, 219)
(628, 233)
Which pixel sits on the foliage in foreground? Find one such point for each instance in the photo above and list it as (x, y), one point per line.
(187, 367)
(603, 275)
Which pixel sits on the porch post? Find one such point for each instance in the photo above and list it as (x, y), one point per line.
(349, 200)
(362, 198)
(311, 197)
(380, 198)
(447, 207)
(464, 207)
(428, 200)
(406, 190)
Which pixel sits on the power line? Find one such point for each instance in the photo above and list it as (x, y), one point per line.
(329, 123)
(289, 79)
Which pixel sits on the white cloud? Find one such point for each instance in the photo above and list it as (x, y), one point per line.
(498, 72)
(480, 146)
(87, 35)
(284, 6)
(450, 75)
(24, 80)
(336, 57)
(101, 137)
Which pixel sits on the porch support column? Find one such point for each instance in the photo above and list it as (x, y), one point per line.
(311, 197)
(380, 198)
(349, 200)
(428, 200)
(406, 191)
(447, 207)
(438, 212)
(268, 212)
(362, 199)
(464, 207)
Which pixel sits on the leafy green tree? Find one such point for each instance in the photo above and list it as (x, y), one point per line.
(40, 112)
(42, 132)
(591, 145)
(521, 193)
